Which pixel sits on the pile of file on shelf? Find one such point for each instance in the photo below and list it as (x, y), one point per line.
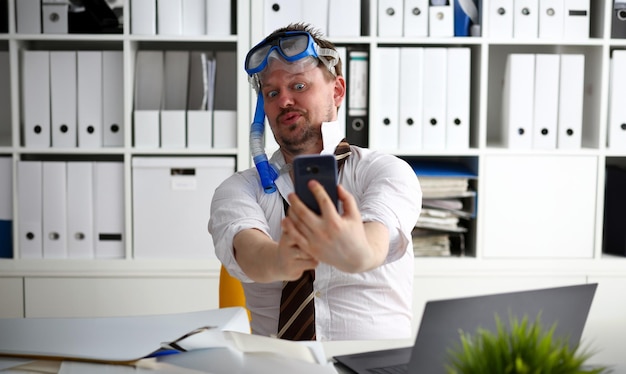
(72, 209)
(448, 204)
(617, 109)
(544, 19)
(422, 99)
(542, 101)
(434, 18)
(72, 98)
(185, 99)
(69, 16)
(333, 18)
(180, 17)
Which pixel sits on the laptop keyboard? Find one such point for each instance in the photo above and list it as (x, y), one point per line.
(395, 369)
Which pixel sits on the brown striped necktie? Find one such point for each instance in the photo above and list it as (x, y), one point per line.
(296, 320)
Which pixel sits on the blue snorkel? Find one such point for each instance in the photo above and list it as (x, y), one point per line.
(257, 140)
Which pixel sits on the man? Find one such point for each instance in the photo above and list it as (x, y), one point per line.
(360, 257)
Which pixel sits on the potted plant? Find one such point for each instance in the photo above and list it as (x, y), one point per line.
(525, 347)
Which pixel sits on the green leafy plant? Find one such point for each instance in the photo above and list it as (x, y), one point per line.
(524, 348)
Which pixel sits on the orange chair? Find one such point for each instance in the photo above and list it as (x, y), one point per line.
(231, 291)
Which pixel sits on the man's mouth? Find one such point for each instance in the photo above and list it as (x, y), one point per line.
(290, 117)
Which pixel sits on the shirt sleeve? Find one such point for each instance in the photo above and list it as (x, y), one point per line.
(390, 193)
(235, 208)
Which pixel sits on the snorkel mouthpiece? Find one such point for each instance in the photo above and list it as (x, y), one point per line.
(266, 172)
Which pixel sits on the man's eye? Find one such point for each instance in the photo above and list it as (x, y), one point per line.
(298, 86)
(271, 94)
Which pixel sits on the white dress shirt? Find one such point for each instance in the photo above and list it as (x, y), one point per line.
(372, 305)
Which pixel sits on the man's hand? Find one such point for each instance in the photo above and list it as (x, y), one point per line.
(342, 241)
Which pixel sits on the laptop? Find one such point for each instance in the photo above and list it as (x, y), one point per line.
(442, 319)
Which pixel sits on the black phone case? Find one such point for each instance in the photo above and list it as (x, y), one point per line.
(322, 168)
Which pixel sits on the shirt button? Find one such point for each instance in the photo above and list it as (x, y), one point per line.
(318, 294)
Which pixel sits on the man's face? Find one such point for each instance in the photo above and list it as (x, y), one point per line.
(296, 104)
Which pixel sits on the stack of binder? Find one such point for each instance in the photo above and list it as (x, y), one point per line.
(448, 205)
(333, 18)
(71, 209)
(72, 99)
(542, 101)
(185, 99)
(422, 99)
(180, 17)
(421, 18)
(543, 19)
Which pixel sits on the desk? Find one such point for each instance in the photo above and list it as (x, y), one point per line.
(218, 361)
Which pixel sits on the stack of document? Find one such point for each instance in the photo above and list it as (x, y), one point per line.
(217, 341)
(448, 206)
(180, 17)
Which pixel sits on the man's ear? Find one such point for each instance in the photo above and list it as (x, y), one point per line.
(339, 90)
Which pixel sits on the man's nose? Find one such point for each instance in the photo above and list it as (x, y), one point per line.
(285, 99)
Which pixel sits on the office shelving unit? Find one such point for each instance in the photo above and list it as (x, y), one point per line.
(516, 245)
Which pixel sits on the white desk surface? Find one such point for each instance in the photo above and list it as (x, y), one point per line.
(216, 361)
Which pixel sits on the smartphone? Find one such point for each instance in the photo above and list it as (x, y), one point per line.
(322, 168)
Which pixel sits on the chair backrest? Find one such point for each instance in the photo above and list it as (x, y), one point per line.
(231, 291)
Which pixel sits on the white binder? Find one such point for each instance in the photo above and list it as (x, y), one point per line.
(89, 82)
(109, 209)
(458, 99)
(6, 190)
(279, 13)
(148, 93)
(30, 209)
(551, 17)
(576, 20)
(518, 101)
(390, 16)
(316, 14)
(546, 99)
(36, 98)
(112, 99)
(193, 17)
(415, 18)
(441, 21)
(143, 17)
(225, 108)
(28, 16)
(170, 17)
(617, 109)
(5, 96)
(54, 17)
(435, 87)
(218, 14)
(385, 125)
(199, 114)
(63, 100)
(501, 19)
(526, 19)
(344, 18)
(54, 209)
(571, 96)
(183, 189)
(411, 98)
(80, 209)
(173, 113)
